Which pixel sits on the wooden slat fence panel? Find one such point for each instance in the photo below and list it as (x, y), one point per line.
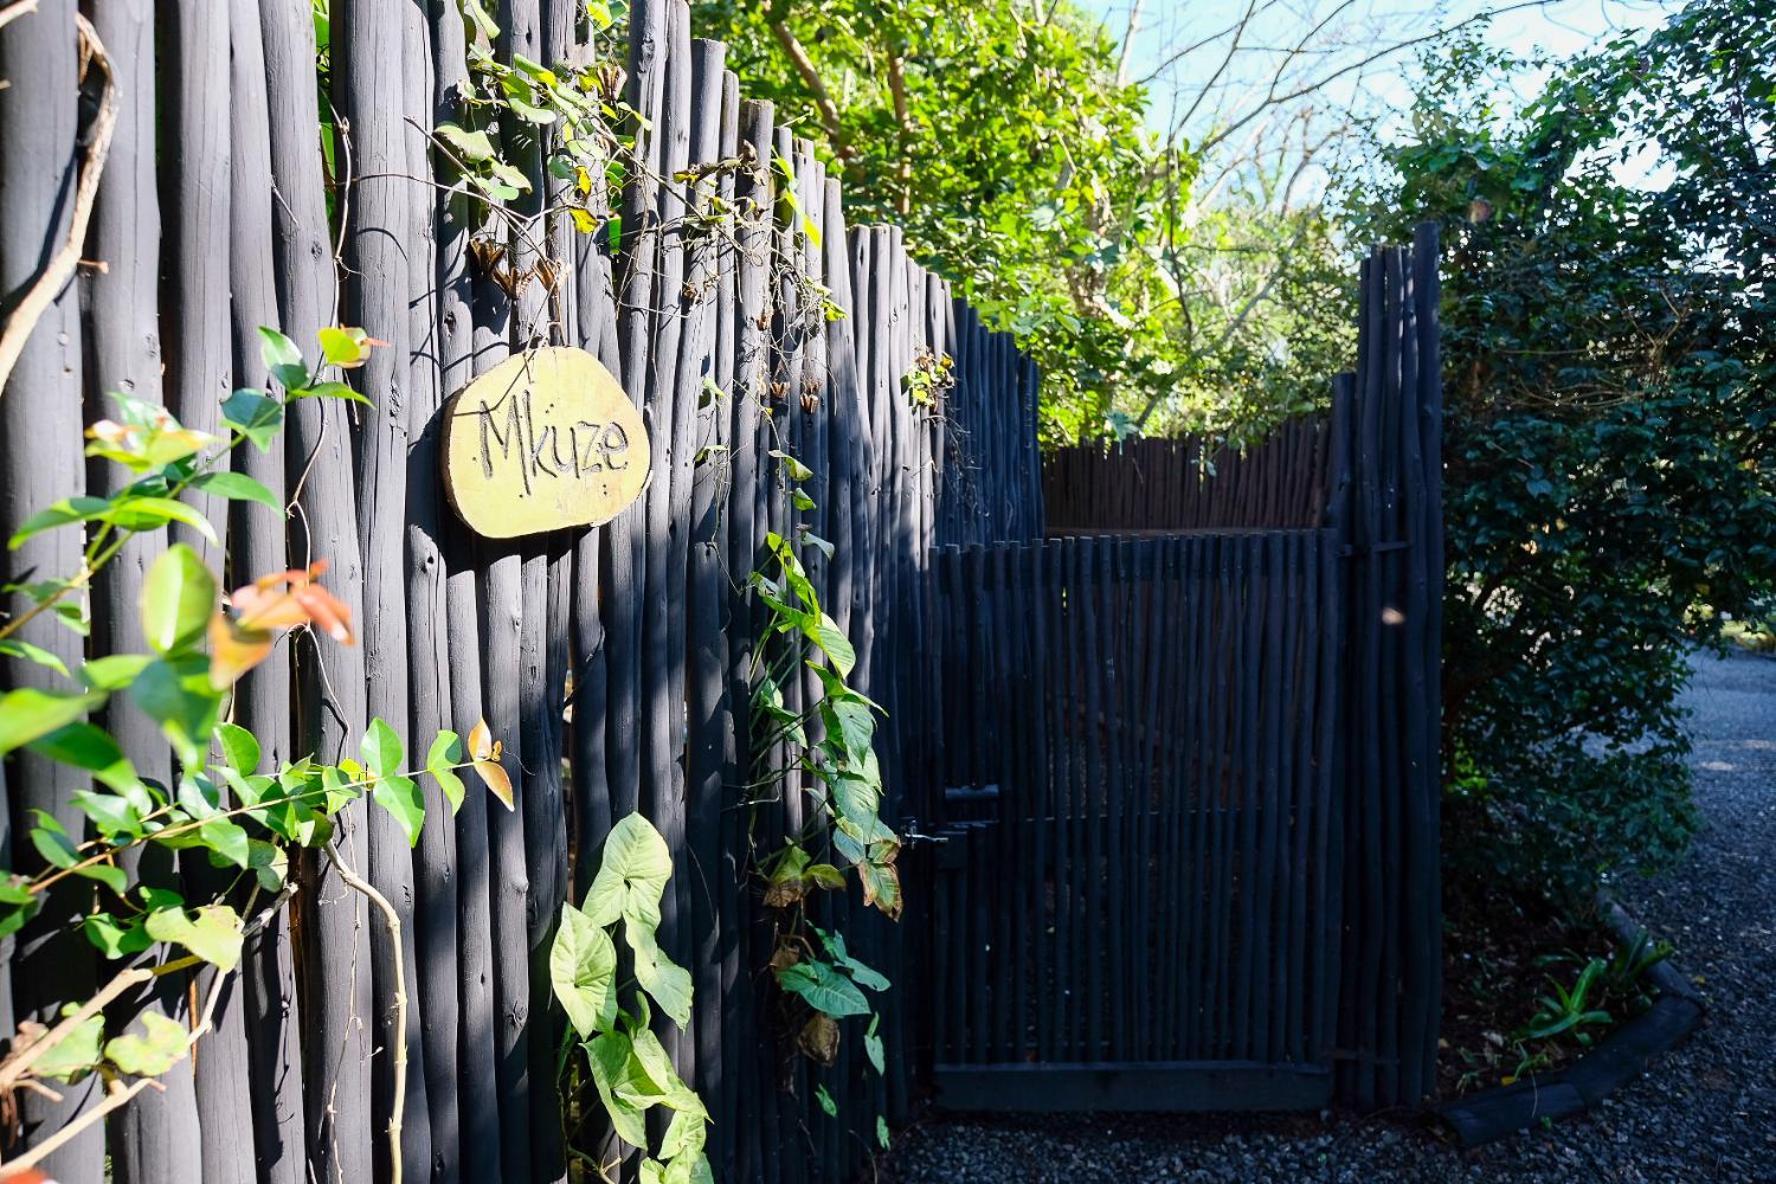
(1150, 783)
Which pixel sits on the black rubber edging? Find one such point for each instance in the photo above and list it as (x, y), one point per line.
(1622, 1056)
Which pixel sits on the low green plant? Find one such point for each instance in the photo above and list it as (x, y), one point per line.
(1569, 1010)
(628, 1065)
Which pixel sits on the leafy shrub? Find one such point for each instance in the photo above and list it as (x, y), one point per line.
(1609, 368)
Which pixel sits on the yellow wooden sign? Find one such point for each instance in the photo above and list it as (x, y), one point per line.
(544, 441)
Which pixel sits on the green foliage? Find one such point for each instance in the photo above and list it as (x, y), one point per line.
(508, 106)
(999, 136)
(1609, 369)
(832, 761)
(628, 1065)
(221, 807)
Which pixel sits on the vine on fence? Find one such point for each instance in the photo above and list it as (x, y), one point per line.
(628, 1064)
(577, 113)
(837, 770)
(243, 820)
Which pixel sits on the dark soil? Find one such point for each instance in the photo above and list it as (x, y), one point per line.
(1499, 952)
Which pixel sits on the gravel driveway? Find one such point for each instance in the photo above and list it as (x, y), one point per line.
(1708, 1115)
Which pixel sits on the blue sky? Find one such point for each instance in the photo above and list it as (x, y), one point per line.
(1354, 30)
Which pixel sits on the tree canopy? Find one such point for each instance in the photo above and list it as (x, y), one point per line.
(1004, 139)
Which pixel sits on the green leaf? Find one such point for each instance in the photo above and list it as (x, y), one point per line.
(54, 843)
(853, 723)
(616, 1073)
(257, 415)
(477, 16)
(214, 934)
(400, 796)
(113, 672)
(77, 1053)
(240, 748)
(667, 983)
(686, 1134)
(345, 347)
(90, 747)
(178, 599)
(864, 976)
(282, 359)
(176, 693)
(114, 816)
(826, 1101)
(62, 513)
(824, 988)
(797, 472)
(29, 714)
(381, 749)
(13, 918)
(199, 797)
(13, 647)
(161, 1045)
(882, 1132)
(238, 487)
(73, 616)
(832, 642)
(151, 513)
(269, 863)
(227, 839)
(582, 970)
(331, 390)
(872, 1046)
(111, 877)
(472, 147)
(631, 876)
(114, 938)
(446, 752)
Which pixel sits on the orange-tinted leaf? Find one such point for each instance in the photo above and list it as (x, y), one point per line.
(497, 782)
(485, 752)
(288, 599)
(326, 612)
(480, 741)
(234, 650)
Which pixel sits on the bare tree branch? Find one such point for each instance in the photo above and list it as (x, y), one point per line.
(60, 267)
(810, 76)
(1128, 41)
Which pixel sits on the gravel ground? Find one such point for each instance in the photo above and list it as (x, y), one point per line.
(1707, 1114)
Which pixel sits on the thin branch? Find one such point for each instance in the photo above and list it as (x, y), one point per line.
(20, 1062)
(903, 169)
(1274, 99)
(118, 1095)
(61, 266)
(823, 100)
(393, 920)
(1128, 41)
(13, 11)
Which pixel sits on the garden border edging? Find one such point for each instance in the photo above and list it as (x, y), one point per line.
(1621, 1057)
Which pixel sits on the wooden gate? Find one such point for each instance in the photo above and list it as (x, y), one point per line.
(1137, 896)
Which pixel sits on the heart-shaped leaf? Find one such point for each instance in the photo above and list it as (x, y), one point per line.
(582, 967)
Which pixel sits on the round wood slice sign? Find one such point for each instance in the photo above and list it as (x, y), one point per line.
(544, 441)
